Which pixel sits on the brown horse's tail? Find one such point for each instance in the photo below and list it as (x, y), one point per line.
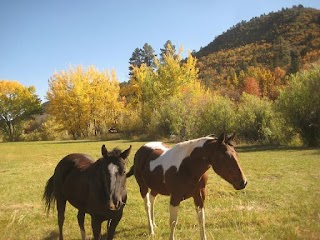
(48, 194)
(131, 172)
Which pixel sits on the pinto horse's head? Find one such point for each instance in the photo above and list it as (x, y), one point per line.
(114, 176)
(225, 162)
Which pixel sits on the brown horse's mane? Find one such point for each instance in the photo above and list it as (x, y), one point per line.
(115, 152)
(83, 161)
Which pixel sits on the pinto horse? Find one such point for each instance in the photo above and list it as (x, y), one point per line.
(181, 172)
(94, 187)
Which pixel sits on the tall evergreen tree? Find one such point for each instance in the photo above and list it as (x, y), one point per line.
(135, 60)
(142, 56)
(281, 50)
(147, 55)
(295, 62)
(168, 50)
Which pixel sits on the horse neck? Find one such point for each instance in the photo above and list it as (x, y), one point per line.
(199, 165)
(198, 161)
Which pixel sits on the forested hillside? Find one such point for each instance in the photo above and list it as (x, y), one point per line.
(275, 44)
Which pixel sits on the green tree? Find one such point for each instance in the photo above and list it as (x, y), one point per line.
(140, 56)
(254, 118)
(299, 104)
(17, 104)
(281, 49)
(135, 60)
(295, 62)
(216, 114)
(168, 49)
(179, 113)
(148, 55)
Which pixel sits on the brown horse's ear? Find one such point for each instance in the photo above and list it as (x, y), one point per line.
(222, 138)
(126, 153)
(104, 151)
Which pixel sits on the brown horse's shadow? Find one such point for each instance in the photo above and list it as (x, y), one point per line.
(52, 236)
(127, 232)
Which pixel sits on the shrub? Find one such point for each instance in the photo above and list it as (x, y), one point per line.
(254, 118)
(216, 114)
(299, 104)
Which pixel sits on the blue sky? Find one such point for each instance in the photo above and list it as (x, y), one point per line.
(39, 37)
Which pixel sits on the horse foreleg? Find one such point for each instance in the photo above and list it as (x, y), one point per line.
(173, 220)
(201, 219)
(147, 205)
(112, 224)
(199, 202)
(96, 227)
(81, 216)
(61, 207)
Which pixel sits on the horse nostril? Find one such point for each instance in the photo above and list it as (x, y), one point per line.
(120, 204)
(112, 206)
(115, 205)
(244, 184)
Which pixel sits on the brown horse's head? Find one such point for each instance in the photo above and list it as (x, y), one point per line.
(114, 176)
(224, 161)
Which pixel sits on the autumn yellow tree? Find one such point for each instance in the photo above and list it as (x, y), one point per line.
(17, 104)
(165, 93)
(84, 101)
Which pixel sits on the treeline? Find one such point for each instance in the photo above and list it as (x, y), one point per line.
(168, 100)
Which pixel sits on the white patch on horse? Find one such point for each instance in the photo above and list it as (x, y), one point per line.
(174, 156)
(157, 145)
(113, 169)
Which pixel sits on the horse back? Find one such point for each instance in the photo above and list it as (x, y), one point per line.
(74, 161)
(153, 180)
(144, 156)
(71, 174)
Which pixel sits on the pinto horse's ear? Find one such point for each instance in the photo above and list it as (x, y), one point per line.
(230, 139)
(222, 138)
(126, 153)
(104, 151)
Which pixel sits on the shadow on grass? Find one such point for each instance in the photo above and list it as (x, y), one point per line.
(73, 142)
(126, 232)
(260, 148)
(52, 236)
(89, 141)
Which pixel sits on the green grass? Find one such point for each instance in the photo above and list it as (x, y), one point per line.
(281, 201)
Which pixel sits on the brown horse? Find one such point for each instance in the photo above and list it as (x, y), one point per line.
(94, 187)
(181, 172)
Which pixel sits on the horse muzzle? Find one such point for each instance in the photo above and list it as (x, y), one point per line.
(116, 205)
(241, 185)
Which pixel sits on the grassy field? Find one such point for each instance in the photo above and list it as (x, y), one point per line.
(281, 201)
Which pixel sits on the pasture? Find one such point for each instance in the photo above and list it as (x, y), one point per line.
(281, 200)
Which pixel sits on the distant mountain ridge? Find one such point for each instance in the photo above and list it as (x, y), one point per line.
(276, 44)
(298, 25)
